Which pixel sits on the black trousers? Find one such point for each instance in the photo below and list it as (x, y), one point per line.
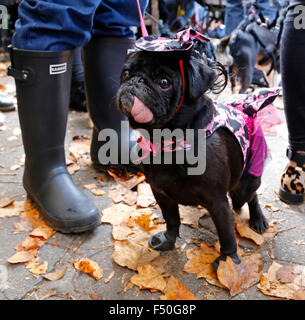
(293, 76)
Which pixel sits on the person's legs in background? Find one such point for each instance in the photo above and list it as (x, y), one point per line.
(234, 14)
(78, 96)
(268, 11)
(42, 58)
(104, 55)
(293, 82)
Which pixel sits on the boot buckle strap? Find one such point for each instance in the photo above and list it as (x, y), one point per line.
(22, 75)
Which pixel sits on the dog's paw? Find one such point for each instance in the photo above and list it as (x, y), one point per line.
(259, 224)
(223, 257)
(160, 242)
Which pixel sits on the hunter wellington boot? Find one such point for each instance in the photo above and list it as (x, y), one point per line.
(103, 62)
(43, 80)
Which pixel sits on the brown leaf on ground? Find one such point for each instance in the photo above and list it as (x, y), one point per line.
(4, 202)
(12, 210)
(240, 277)
(144, 221)
(145, 196)
(127, 181)
(148, 278)
(31, 243)
(90, 267)
(119, 193)
(37, 267)
(200, 261)
(132, 255)
(22, 256)
(72, 167)
(29, 219)
(43, 231)
(98, 192)
(123, 220)
(55, 275)
(191, 215)
(286, 281)
(245, 231)
(175, 290)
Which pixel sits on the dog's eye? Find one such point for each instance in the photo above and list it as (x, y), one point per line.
(164, 83)
(125, 75)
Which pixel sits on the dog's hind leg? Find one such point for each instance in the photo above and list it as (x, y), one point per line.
(246, 193)
(166, 240)
(224, 221)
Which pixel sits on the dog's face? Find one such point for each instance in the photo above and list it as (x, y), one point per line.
(152, 86)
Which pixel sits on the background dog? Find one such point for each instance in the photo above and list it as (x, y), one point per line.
(152, 87)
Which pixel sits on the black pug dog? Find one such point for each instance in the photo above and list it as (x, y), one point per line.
(154, 83)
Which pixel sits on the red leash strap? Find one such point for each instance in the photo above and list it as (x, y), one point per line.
(183, 84)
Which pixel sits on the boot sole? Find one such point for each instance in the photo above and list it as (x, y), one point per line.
(55, 225)
(291, 198)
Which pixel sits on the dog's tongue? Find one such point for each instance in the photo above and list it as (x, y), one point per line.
(140, 112)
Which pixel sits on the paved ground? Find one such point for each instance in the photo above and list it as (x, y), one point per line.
(19, 283)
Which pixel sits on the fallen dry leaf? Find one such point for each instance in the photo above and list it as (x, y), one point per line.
(4, 202)
(127, 181)
(98, 192)
(286, 281)
(245, 231)
(90, 267)
(191, 215)
(119, 193)
(22, 256)
(12, 210)
(148, 278)
(29, 219)
(175, 290)
(239, 277)
(72, 167)
(106, 280)
(31, 243)
(55, 275)
(132, 255)
(37, 267)
(144, 221)
(122, 217)
(89, 186)
(43, 231)
(200, 261)
(145, 196)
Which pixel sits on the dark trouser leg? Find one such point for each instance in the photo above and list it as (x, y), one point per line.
(103, 60)
(293, 80)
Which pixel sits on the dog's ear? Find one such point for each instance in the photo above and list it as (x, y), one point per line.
(200, 78)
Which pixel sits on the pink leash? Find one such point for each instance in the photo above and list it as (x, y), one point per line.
(148, 146)
(143, 28)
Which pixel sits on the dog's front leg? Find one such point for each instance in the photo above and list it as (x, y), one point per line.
(166, 240)
(224, 221)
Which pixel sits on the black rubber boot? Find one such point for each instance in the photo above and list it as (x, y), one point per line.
(103, 62)
(43, 81)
